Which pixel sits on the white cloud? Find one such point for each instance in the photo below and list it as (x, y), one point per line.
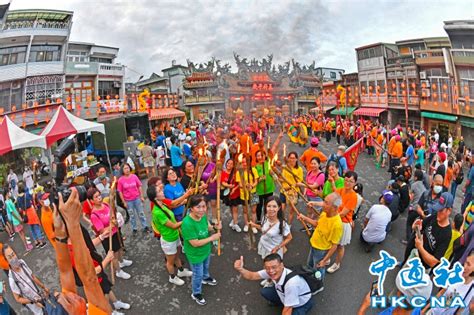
(152, 33)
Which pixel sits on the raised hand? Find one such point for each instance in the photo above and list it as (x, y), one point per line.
(72, 209)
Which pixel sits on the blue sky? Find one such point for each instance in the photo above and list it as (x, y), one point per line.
(152, 33)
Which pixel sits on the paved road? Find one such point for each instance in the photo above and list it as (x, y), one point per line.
(150, 293)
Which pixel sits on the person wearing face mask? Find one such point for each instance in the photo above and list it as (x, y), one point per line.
(430, 197)
(47, 218)
(102, 182)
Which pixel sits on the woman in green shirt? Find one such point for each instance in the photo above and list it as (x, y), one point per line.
(333, 180)
(197, 245)
(164, 221)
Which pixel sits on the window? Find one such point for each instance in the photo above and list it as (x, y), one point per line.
(45, 53)
(80, 91)
(101, 60)
(107, 88)
(12, 55)
(332, 74)
(10, 93)
(381, 85)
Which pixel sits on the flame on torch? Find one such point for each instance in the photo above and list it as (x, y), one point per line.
(200, 152)
(284, 150)
(274, 159)
(240, 158)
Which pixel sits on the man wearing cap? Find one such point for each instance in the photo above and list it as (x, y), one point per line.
(430, 197)
(435, 231)
(376, 221)
(312, 152)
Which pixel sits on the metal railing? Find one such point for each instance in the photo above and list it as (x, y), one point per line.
(36, 24)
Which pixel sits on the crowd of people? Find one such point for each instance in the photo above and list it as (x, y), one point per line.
(195, 171)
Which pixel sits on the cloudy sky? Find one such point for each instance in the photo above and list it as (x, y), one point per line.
(152, 33)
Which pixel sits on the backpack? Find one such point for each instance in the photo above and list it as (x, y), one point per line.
(460, 177)
(308, 276)
(337, 159)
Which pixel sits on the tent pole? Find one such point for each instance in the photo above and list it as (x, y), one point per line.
(107, 152)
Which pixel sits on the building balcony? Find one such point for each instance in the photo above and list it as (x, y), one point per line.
(311, 98)
(195, 100)
(374, 101)
(435, 106)
(429, 57)
(23, 70)
(463, 57)
(398, 101)
(94, 68)
(35, 28)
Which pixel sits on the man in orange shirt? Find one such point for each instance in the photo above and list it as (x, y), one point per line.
(397, 153)
(312, 152)
(346, 211)
(328, 129)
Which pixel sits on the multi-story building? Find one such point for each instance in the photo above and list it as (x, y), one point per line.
(403, 79)
(33, 46)
(175, 75)
(371, 65)
(461, 35)
(93, 75)
(329, 74)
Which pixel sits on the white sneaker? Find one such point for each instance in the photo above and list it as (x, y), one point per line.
(254, 230)
(328, 262)
(176, 280)
(231, 224)
(122, 274)
(246, 228)
(185, 273)
(117, 313)
(236, 228)
(335, 267)
(121, 305)
(125, 263)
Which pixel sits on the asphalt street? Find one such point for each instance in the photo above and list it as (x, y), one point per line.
(149, 292)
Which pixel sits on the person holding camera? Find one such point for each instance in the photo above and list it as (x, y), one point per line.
(289, 290)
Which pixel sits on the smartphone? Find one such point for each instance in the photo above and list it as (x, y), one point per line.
(374, 289)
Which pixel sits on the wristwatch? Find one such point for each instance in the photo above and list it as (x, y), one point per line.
(61, 240)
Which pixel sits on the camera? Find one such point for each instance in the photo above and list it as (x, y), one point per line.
(66, 147)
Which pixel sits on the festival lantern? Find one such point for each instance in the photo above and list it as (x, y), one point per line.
(1, 110)
(423, 85)
(23, 124)
(433, 86)
(35, 104)
(35, 122)
(23, 114)
(13, 108)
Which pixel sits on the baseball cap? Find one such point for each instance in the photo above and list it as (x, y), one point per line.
(421, 290)
(314, 141)
(442, 156)
(401, 178)
(391, 182)
(445, 201)
(342, 147)
(387, 196)
(45, 196)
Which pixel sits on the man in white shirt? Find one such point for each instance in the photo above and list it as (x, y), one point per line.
(293, 293)
(376, 221)
(28, 179)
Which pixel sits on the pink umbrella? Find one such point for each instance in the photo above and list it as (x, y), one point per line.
(13, 137)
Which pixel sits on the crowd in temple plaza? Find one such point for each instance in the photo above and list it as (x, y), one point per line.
(198, 170)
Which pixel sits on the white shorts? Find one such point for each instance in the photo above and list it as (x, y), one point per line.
(170, 248)
(149, 163)
(346, 234)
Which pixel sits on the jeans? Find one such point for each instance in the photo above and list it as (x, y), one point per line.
(454, 186)
(136, 205)
(270, 294)
(36, 232)
(314, 257)
(200, 272)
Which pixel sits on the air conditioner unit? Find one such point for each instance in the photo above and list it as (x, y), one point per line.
(117, 84)
(425, 92)
(423, 75)
(426, 82)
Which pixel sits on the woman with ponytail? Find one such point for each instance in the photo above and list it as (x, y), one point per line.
(165, 222)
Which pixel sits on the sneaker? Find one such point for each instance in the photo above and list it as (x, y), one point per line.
(319, 288)
(135, 232)
(335, 267)
(328, 262)
(236, 228)
(176, 280)
(246, 228)
(37, 245)
(209, 281)
(29, 247)
(146, 230)
(199, 299)
(125, 263)
(254, 230)
(231, 224)
(123, 275)
(42, 245)
(185, 273)
(119, 305)
(117, 313)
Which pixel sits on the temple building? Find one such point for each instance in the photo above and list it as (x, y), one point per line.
(211, 90)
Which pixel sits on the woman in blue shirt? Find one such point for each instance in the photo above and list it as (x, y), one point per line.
(173, 190)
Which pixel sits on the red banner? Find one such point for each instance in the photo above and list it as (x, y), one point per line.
(352, 153)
